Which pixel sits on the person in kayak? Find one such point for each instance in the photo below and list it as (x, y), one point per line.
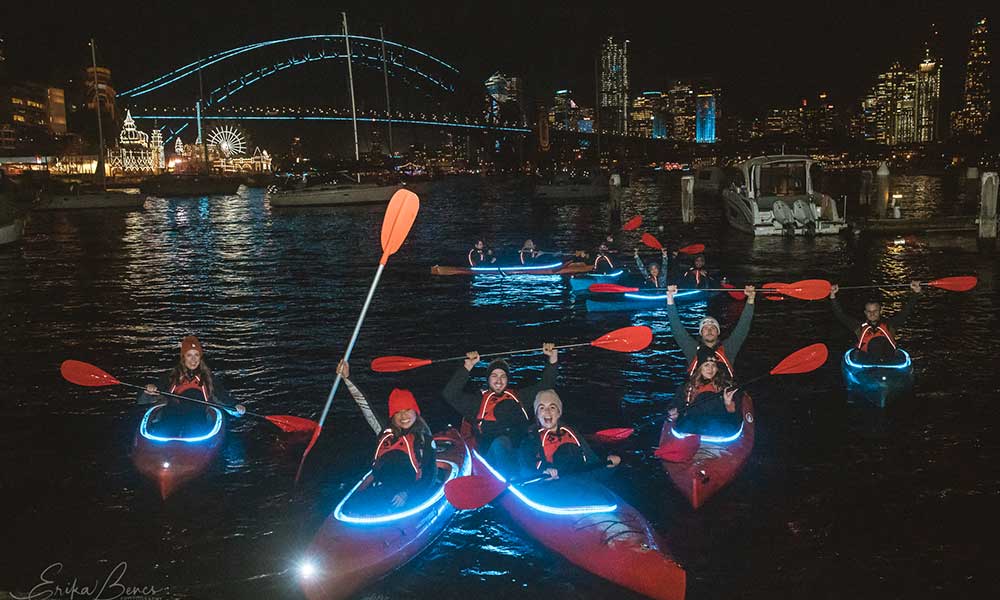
(602, 260)
(551, 447)
(480, 254)
(709, 401)
(697, 277)
(876, 335)
(655, 276)
(405, 462)
(710, 345)
(529, 253)
(191, 378)
(498, 413)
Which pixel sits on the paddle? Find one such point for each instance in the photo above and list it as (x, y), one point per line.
(611, 436)
(86, 374)
(626, 339)
(807, 289)
(652, 242)
(962, 283)
(396, 224)
(475, 491)
(632, 224)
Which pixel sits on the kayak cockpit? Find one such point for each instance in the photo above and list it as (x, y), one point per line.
(153, 428)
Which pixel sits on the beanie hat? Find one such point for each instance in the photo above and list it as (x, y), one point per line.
(402, 400)
(498, 364)
(191, 343)
(708, 321)
(553, 396)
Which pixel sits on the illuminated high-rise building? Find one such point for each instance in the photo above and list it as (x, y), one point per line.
(56, 109)
(647, 108)
(683, 114)
(971, 118)
(505, 99)
(614, 86)
(100, 86)
(705, 119)
(928, 94)
(891, 105)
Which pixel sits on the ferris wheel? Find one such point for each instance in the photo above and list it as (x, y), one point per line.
(229, 140)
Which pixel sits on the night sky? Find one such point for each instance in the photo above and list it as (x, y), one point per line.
(762, 56)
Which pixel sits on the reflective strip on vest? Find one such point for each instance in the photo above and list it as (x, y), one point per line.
(403, 444)
(720, 354)
(597, 261)
(489, 402)
(549, 450)
(868, 333)
(189, 384)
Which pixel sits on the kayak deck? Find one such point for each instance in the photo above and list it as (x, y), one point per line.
(878, 382)
(640, 300)
(582, 283)
(553, 268)
(169, 461)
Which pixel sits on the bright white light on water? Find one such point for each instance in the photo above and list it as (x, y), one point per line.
(166, 465)
(899, 242)
(307, 569)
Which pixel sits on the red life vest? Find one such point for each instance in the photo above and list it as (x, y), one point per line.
(402, 444)
(481, 257)
(868, 333)
(694, 392)
(696, 273)
(605, 258)
(551, 440)
(720, 355)
(533, 254)
(189, 384)
(489, 403)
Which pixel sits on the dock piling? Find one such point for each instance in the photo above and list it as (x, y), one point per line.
(988, 211)
(687, 198)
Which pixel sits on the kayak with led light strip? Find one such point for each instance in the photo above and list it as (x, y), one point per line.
(877, 382)
(590, 526)
(581, 283)
(169, 461)
(360, 543)
(642, 300)
(716, 462)
(541, 268)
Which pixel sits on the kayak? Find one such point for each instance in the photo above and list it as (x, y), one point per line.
(641, 300)
(359, 544)
(590, 526)
(170, 462)
(716, 462)
(582, 283)
(553, 268)
(878, 382)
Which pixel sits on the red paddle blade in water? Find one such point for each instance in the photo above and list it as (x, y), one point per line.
(290, 424)
(394, 364)
(81, 373)
(805, 360)
(473, 491)
(626, 339)
(692, 249)
(609, 436)
(632, 223)
(610, 288)
(398, 220)
(955, 284)
(652, 242)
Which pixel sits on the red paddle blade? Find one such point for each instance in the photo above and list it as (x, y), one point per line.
(610, 436)
(626, 339)
(807, 289)
(394, 364)
(737, 294)
(652, 242)
(805, 360)
(955, 284)
(82, 373)
(632, 223)
(679, 451)
(776, 296)
(473, 491)
(610, 288)
(692, 249)
(312, 442)
(290, 424)
(399, 217)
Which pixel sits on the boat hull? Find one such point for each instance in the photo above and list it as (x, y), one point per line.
(562, 268)
(90, 201)
(169, 462)
(11, 232)
(878, 383)
(334, 195)
(641, 300)
(349, 555)
(744, 214)
(715, 463)
(581, 283)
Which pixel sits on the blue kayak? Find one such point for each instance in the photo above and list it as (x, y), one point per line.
(641, 300)
(582, 283)
(878, 382)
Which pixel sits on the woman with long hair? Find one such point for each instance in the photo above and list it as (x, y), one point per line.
(708, 400)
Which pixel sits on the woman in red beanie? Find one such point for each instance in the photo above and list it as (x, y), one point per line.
(405, 462)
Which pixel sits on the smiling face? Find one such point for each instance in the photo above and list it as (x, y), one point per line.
(549, 410)
(480, 245)
(708, 369)
(709, 334)
(699, 262)
(192, 359)
(654, 270)
(404, 419)
(873, 311)
(497, 380)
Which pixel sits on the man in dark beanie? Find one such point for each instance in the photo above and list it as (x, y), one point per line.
(499, 414)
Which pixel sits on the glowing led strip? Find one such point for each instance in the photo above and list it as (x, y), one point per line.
(338, 513)
(710, 439)
(652, 297)
(552, 510)
(144, 432)
(855, 365)
(611, 274)
(557, 265)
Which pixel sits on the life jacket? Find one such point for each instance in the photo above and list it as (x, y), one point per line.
(532, 255)
(694, 392)
(186, 384)
(489, 403)
(480, 257)
(869, 332)
(720, 355)
(696, 273)
(551, 441)
(404, 443)
(654, 281)
(601, 256)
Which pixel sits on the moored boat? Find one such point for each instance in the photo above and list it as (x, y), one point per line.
(333, 194)
(642, 300)
(169, 461)
(82, 199)
(590, 526)
(11, 232)
(877, 382)
(359, 543)
(171, 184)
(554, 268)
(717, 460)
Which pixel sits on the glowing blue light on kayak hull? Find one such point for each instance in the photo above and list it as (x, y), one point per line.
(144, 429)
(617, 273)
(711, 439)
(516, 268)
(861, 366)
(660, 297)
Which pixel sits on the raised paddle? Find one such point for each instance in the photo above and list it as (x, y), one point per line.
(475, 491)
(651, 241)
(807, 289)
(86, 374)
(396, 224)
(626, 339)
(632, 224)
(962, 283)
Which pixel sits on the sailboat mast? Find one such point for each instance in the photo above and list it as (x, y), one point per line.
(99, 169)
(350, 77)
(385, 76)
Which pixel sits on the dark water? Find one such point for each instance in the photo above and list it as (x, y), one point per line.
(835, 502)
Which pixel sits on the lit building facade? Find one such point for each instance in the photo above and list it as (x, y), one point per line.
(103, 88)
(56, 110)
(705, 119)
(614, 86)
(971, 118)
(683, 113)
(136, 152)
(643, 114)
(505, 99)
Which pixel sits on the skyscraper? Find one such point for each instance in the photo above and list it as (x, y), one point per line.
(100, 85)
(891, 107)
(504, 99)
(928, 95)
(705, 119)
(614, 86)
(971, 119)
(681, 99)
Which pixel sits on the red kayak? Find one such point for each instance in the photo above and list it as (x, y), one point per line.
(554, 268)
(170, 462)
(360, 543)
(715, 462)
(590, 526)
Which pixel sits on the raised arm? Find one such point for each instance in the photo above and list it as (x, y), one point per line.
(838, 312)
(359, 398)
(685, 340)
(899, 318)
(734, 342)
(454, 391)
(549, 374)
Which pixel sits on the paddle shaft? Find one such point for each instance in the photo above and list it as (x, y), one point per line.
(868, 287)
(509, 352)
(216, 405)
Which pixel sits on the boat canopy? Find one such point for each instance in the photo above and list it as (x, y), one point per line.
(777, 175)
